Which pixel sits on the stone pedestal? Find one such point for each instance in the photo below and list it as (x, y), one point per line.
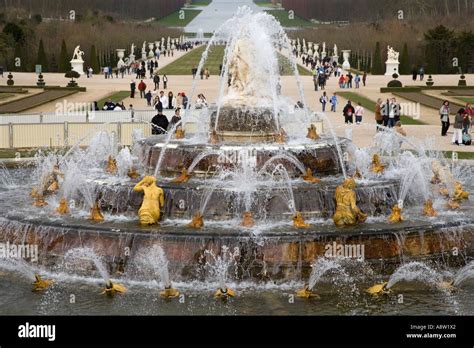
(346, 54)
(120, 55)
(392, 67)
(78, 66)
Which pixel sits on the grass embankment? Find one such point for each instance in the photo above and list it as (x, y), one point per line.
(185, 64)
(115, 97)
(370, 105)
(179, 18)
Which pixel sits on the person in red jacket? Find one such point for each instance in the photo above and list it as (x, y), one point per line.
(142, 88)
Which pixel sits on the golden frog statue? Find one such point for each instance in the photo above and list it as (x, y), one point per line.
(51, 182)
(312, 133)
(452, 204)
(197, 222)
(357, 174)
(111, 165)
(377, 166)
(428, 209)
(298, 221)
(96, 214)
(459, 193)
(40, 202)
(247, 221)
(347, 213)
(281, 137)
(112, 288)
(63, 208)
(213, 138)
(308, 177)
(396, 215)
(132, 173)
(41, 284)
(179, 134)
(184, 177)
(153, 200)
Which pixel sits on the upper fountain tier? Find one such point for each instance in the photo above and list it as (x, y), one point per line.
(251, 105)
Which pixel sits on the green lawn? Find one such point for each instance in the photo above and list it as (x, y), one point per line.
(184, 65)
(370, 105)
(5, 95)
(469, 100)
(201, 2)
(174, 19)
(114, 97)
(284, 18)
(265, 3)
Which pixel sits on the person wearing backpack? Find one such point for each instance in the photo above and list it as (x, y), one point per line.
(348, 113)
(458, 123)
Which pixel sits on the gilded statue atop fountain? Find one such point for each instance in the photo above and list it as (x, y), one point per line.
(247, 221)
(428, 209)
(308, 177)
(299, 222)
(347, 213)
(197, 222)
(111, 165)
(153, 201)
(312, 133)
(396, 215)
(184, 177)
(377, 166)
(239, 68)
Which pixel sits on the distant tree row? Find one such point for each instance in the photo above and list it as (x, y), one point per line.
(371, 10)
(138, 9)
(27, 42)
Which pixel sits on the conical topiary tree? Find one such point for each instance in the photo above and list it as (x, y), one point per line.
(94, 61)
(377, 65)
(64, 64)
(405, 61)
(41, 58)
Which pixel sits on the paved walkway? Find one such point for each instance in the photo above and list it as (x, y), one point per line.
(216, 13)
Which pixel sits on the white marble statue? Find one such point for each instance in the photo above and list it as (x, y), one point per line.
(336, 53)
(78, 54)
(392, 54)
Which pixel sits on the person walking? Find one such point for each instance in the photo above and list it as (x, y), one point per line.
(348, 113)
(324, 100)
(133, 88)
(385, 110)
(359, 113)
(392, 113)
(444, 116)
(414, 74)
(148, 97)
(142, 88)
(357, 81)
(333, 102)
(378, 114)
(458, 124)
(159, 123)
(422, 73)
(165, 82)
(364, 78)
(156, 81)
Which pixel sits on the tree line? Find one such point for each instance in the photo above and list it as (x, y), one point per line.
(372, 10)
(137, 9)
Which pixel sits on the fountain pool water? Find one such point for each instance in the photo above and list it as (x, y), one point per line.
(245, 172)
